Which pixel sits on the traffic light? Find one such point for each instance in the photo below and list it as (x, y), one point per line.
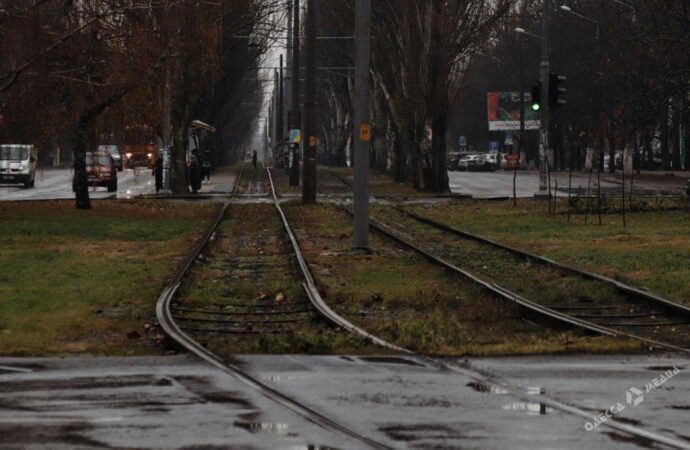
(536, 96)
(556, 93)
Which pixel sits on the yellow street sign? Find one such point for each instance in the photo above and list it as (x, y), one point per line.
(365, 132)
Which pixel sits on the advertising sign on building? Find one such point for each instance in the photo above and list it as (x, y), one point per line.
(504, 111)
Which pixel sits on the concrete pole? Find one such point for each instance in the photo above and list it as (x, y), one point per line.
(280, 138)
(544, 111)
(294, 105)
(309, 176)
(288, 67)
(362, 128)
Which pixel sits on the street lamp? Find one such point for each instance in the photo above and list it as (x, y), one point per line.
(569, 10)
(523, 31)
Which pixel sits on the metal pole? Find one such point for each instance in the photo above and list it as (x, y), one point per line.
(309, 177)
(362, 127)
(294, 106)
(544, 111)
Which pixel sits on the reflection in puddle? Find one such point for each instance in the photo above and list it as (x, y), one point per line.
(533, 409)
(486, 388)
(262, 427)
(279, 378)
(535, 390)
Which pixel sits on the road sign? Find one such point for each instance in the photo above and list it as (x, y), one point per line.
(365, 132)
(295, 136)
(493, 146)
(462, 141)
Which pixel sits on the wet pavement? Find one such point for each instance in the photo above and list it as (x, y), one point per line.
(177, 402)
(56, 184)
(500, 183)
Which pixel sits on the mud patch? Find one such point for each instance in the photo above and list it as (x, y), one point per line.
(486, 388)
(629, 439)
(46, 435)
(664, 368)
(418, 432)
(83, 383)
(391, 360)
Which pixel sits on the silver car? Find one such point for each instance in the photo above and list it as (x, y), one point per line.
(472, 162)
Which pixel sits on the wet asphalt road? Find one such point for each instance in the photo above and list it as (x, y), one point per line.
(177, 402)
(500, 183)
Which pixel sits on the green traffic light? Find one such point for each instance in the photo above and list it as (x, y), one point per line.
(535, 107)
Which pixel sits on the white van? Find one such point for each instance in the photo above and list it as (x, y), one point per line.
(18, 164)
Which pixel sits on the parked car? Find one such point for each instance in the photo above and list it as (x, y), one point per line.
(472, 163)
(494, 161)
(114, 151)
(18, 164)
(101, 170)
(454, 159)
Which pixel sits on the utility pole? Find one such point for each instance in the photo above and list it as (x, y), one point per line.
(287, 88)
(309, 177)
(280, 129)
(362, 128)
(544, 111)
(294, 118)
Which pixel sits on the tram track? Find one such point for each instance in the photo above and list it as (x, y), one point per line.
(171, 327)
(169, 317)
(619, 310)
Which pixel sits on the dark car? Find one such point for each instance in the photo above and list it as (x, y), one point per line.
(101, 170)
(114, 151)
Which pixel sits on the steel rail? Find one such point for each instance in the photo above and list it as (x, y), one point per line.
(513, 297)
(630, 290)
(517, 391)
(171, 328)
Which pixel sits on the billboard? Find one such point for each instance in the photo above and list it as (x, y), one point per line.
(504, 111)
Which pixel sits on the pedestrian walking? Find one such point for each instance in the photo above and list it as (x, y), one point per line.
(254, 158)
(206, 166)
(195, 172)
(158, 173)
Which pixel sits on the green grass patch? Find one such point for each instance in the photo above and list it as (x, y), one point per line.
(651, 251)
(395, 294)
(86, 282)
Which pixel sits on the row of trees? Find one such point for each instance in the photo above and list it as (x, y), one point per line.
(434, 61)
(76, 74)
(420, 53)
(627, 89)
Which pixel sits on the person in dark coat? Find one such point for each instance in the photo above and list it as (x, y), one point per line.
(206, 166)
(158, 173)
(195, 172)
(254, 158)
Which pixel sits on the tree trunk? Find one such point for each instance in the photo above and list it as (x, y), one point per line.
(178, 167)
(80, 182)
(438, 171)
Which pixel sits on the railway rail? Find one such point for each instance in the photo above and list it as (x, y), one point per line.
(168, 321)
(578, 298)
(621, 310)
(170, 318)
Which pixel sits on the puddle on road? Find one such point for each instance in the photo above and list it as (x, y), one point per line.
(279, 378)
(486, 388)
(264, 427)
